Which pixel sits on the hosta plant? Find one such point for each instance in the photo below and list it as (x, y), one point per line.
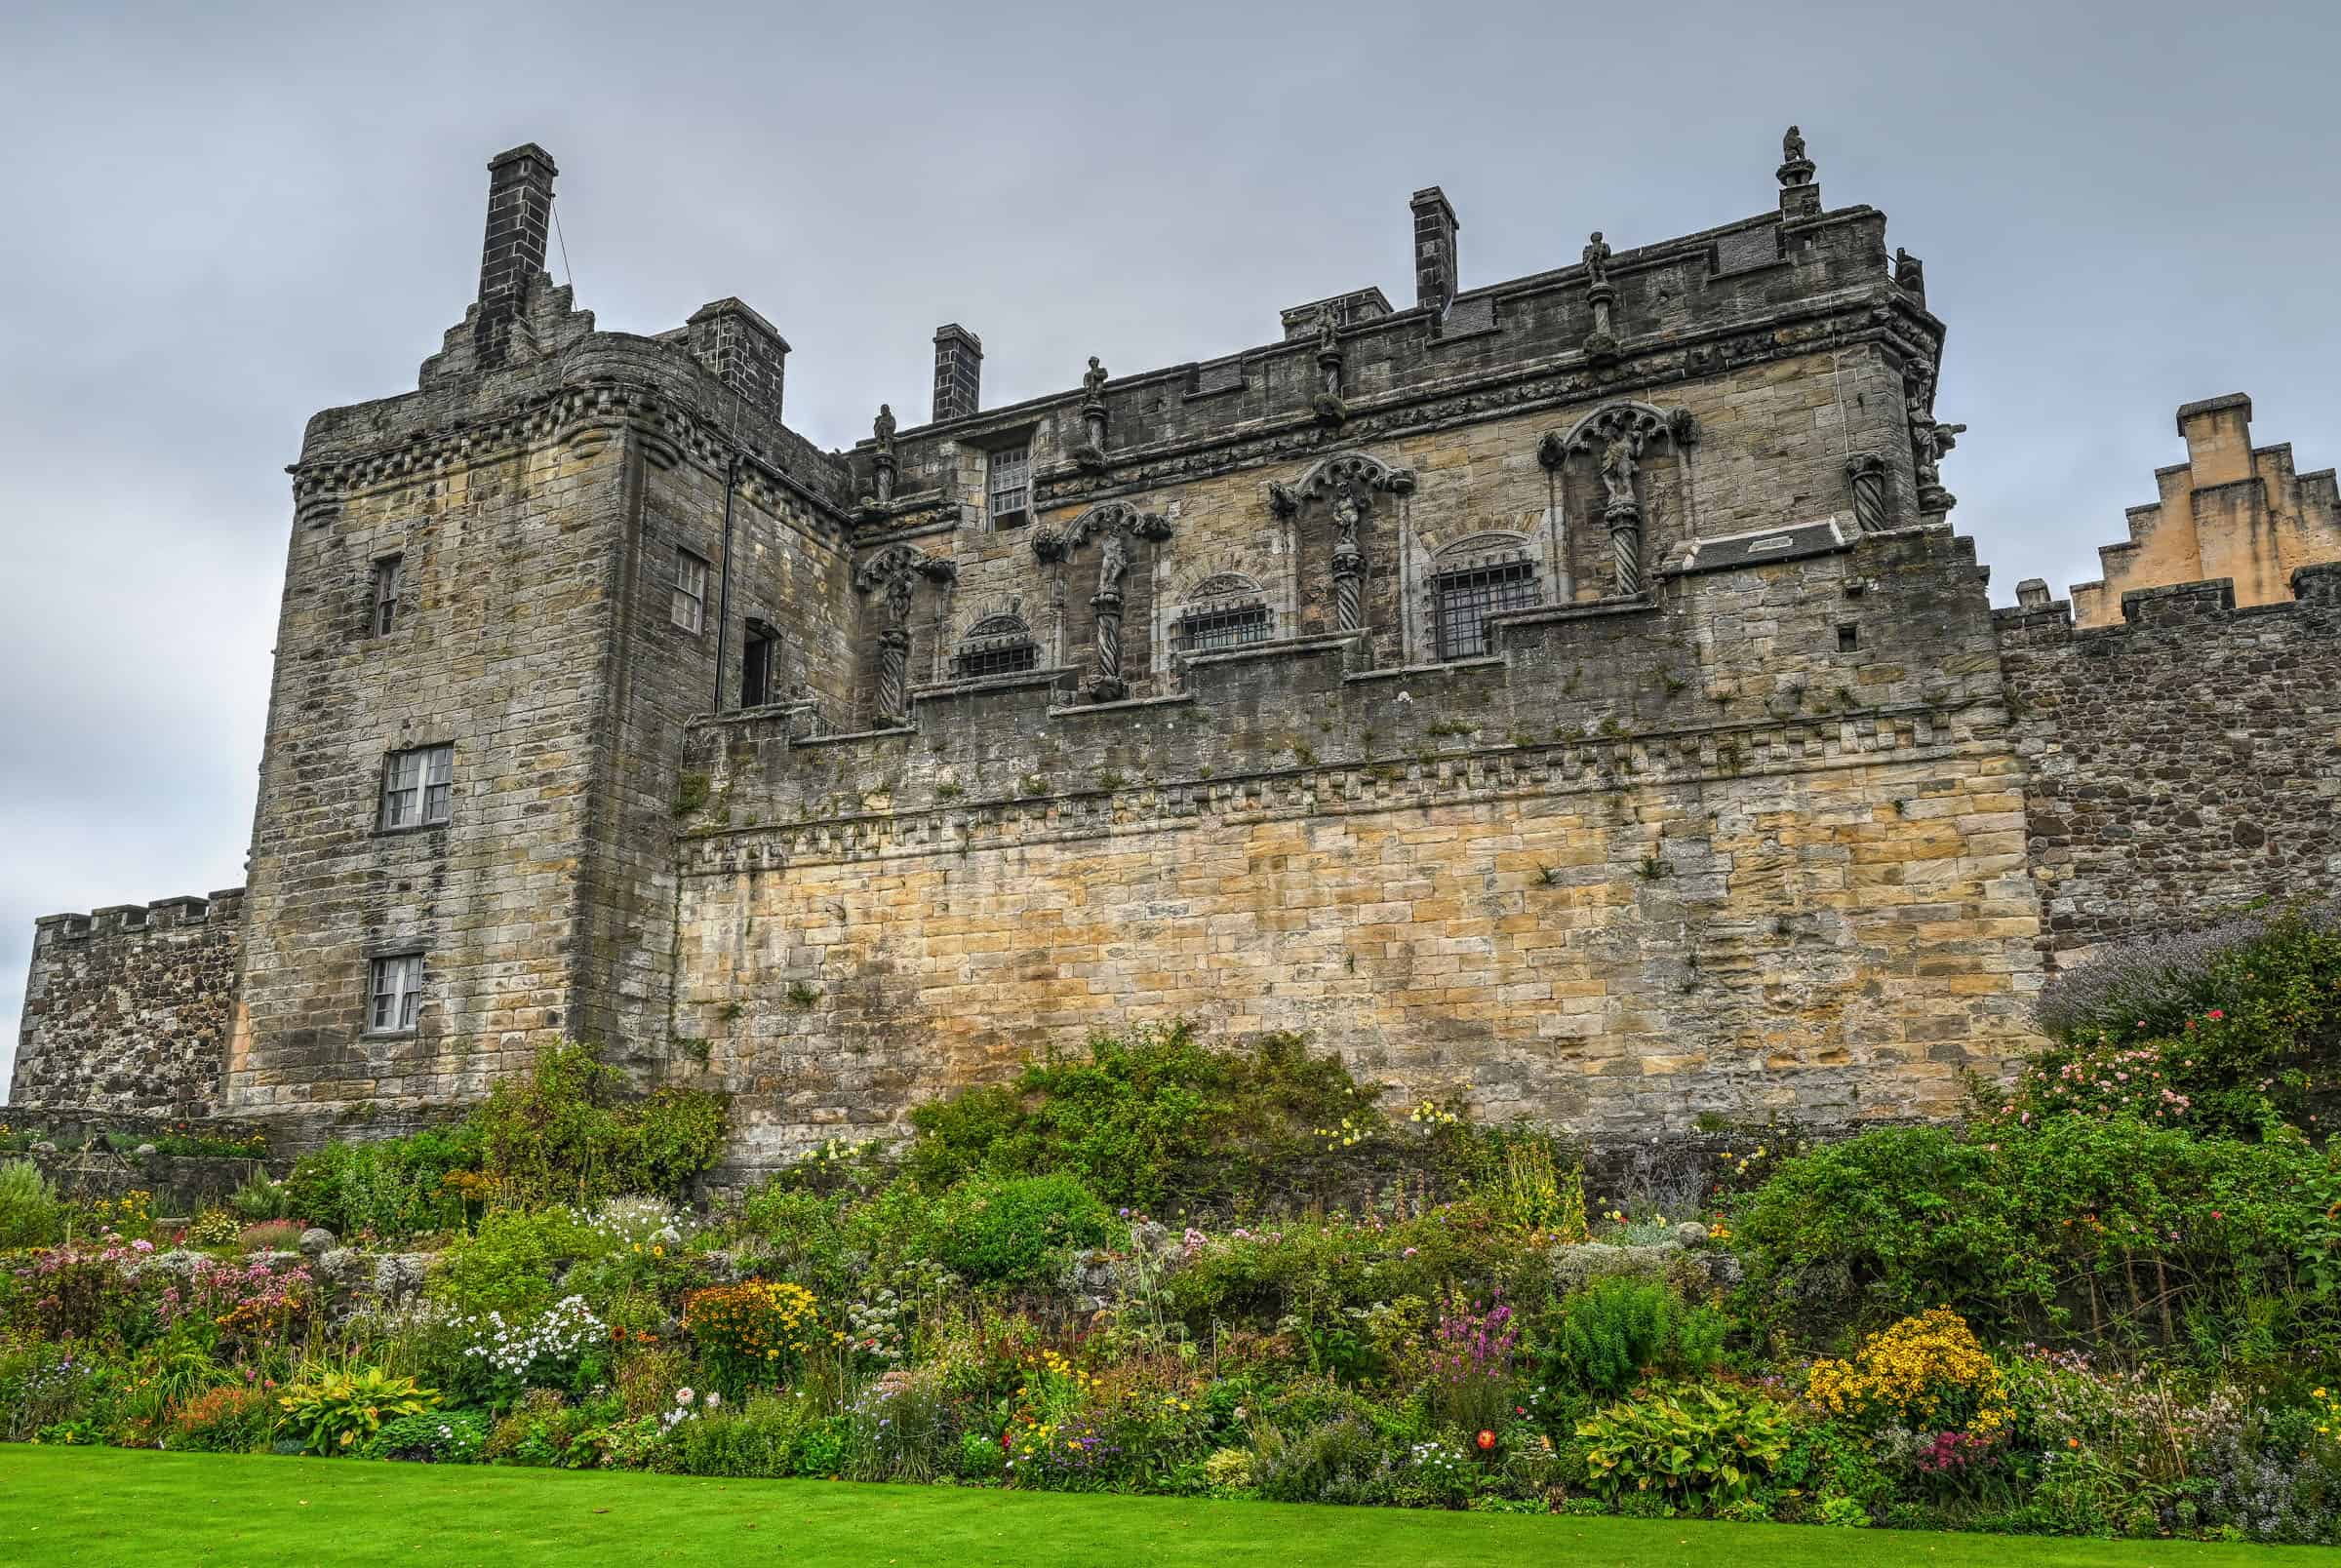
(1697, 1447)
(344, 1410)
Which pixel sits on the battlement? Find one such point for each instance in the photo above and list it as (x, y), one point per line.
(1662, 313)
(221, 907)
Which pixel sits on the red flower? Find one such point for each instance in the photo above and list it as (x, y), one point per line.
(1486, 1439)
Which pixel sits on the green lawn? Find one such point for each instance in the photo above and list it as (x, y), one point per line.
(89, 1507)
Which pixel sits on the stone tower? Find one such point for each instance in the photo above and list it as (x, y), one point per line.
(506, 592)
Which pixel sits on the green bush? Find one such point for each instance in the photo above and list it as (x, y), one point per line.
(1016, 1230)
(432, 1437)
(341, 1412)
(509, 1265)
(393, 1186)
(569, 1131)
(1147, 1116)
(1699, 1447)
(30, 1215)
(2070, 1226)
(1609, 1335)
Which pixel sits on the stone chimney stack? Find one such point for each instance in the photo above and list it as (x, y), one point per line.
(742, 350)
(958, 371)
(1434, 230)
(520, 212)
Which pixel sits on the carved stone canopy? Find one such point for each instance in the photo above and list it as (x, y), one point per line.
(898, 560)
(1049, 544)
(1355, 472)
(1613, 420)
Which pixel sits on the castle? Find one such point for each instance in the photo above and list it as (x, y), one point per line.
(1568, 695)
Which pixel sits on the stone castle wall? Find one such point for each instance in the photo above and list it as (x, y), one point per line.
(2184, 761)
(127, 1008)
(1650, 859)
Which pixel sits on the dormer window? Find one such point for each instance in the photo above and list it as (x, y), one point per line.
(1007, 487)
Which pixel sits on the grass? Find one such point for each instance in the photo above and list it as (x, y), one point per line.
(95, 1506)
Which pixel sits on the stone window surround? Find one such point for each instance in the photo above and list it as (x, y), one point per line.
(432, 784)
(403, 969)
(686, 606)
(389, 581)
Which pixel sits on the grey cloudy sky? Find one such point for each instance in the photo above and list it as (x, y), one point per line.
(216, 220)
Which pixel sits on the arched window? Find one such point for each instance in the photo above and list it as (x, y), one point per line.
(997, 645)
(1473, 579)
(1222, 612)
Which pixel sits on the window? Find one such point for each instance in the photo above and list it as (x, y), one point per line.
(1849, 639)
(418, 787)
(1010, 486)
(389, 575)
(690, 591)
(997, 645)
(756, 666)
(1204, 631)
(1466, 599)
(395, 992)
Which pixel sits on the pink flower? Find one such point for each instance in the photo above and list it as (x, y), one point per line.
(684, 1397)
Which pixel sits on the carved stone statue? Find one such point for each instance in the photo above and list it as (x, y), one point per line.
(1329, 331)
(1619, 464)
(1596, 258)
(1792, 146)
(1092, 381)
(883, 428)
(1346, 518)
(898, 589)
(1113, 563)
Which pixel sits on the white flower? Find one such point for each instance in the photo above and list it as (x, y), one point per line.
(683, 1396)
(714, 1398)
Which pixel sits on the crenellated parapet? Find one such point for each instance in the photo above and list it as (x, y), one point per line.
(127, 1007)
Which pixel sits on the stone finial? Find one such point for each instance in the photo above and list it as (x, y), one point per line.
(2033, 593)
(1910, 274)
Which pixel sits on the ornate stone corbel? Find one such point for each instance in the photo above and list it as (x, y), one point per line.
(1866, 471)
(898, 569)
(1283, 504)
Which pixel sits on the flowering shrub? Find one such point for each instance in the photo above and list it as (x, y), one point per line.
(754, 1334)
(556, 1347)
(1927, 1371)
(1471, 1362)
(432, 1437)
(234, 1419)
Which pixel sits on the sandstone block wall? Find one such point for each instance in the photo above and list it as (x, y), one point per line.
(2184, 761)
(1648, 860)
(127, 1009)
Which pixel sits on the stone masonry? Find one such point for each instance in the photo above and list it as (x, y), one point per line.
(1565, 695)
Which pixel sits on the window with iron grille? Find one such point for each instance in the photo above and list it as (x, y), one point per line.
(1203, 631)
(1467, 598)
(997, 645)
(394, 991)
(690, 610)
(1010, 485)
(418, 785)
(389, 576)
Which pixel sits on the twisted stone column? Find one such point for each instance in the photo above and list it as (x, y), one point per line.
(1867, 470)
(1107, 686)
(1625, 544)
(893, 677)
(1349, 577)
